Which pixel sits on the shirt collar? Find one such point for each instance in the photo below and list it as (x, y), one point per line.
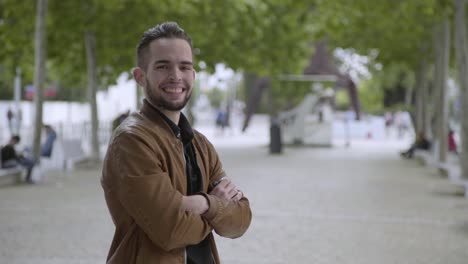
(183, 130)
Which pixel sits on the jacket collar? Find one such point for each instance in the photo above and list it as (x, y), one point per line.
(183, 130)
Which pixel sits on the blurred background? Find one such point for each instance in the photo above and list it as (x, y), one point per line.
(69, 64)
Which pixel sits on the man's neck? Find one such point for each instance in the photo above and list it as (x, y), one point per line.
(174, 116)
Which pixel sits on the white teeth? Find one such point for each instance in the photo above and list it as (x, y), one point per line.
(173, 90)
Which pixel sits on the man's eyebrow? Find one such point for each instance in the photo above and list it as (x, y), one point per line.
(161, 61)
(167, 61)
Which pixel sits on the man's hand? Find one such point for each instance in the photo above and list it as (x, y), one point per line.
(195, 204)
(225, 189)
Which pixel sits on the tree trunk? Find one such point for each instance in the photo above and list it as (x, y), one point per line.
(39, 74)
(408, 96)
(442, 39)
(90, 44)
(420, 88)
(429, 104)
(259, 86)
(461, 50)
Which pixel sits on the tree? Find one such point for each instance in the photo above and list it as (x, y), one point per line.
(16, 33)
(461, 49)
(39, 73)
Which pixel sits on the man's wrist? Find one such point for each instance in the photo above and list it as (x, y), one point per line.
(195, 204)
(206, 202)
(213, 205)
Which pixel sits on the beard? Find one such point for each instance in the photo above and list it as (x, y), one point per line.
(160, 102)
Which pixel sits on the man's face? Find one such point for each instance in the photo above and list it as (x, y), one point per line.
(169, 76)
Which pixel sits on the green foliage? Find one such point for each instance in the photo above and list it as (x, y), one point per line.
(6, 92)
(397, 29)
(16, 37)
(342, 100)
(263, 37)
(289, 94)
(371, 97)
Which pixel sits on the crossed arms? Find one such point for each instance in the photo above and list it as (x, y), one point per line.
(170, 219)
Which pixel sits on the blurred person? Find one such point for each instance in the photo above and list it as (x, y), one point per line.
(50, 136)
(10, 159)
(119, 119)
(47, 146)
(221, 118)
(10, 117)
(403, 123)
(421, 142)
(452, 144)
(164, 184)
(388, 117)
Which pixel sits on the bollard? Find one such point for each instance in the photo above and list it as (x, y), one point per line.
(275, 137)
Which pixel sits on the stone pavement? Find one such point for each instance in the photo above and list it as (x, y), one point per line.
(310, 205)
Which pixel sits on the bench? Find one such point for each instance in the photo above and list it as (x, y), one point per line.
(425, 157)
(450, 169)
(11, 175)
(72, 153)
(445, 168)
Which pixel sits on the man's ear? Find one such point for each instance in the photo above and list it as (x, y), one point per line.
(139, 76)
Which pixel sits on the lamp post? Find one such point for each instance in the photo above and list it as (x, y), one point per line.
(17, 99)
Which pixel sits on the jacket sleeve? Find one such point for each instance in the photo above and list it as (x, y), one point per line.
(229, 219)
(147, 194)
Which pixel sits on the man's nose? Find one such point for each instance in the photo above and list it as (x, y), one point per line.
(175, 74)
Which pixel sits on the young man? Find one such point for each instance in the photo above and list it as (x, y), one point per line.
(164, 184)
(10, 159)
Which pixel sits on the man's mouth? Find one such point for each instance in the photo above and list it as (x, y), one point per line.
(173, 90)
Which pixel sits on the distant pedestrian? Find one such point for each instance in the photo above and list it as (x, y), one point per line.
(221, 117)
(10, 117)
(388, 117)
(403, 123)
(452, 144)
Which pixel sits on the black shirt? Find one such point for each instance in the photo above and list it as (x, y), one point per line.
(8, 153)
(201, 252)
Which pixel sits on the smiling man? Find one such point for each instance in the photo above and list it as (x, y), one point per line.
(164, 184)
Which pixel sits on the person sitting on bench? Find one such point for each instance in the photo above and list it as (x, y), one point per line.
(50, 136)
(421, 142)
(10, 159)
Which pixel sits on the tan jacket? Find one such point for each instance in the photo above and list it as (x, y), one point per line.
(144, 180)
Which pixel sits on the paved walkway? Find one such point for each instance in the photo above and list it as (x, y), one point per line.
(324, 206)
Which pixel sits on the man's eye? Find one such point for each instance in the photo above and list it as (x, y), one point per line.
(161, 67)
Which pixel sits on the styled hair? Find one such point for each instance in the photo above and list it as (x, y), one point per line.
(163, 30)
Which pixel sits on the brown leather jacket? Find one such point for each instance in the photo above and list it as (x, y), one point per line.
(144, 180)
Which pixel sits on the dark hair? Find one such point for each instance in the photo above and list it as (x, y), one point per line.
(163, 30)
(16, 138)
